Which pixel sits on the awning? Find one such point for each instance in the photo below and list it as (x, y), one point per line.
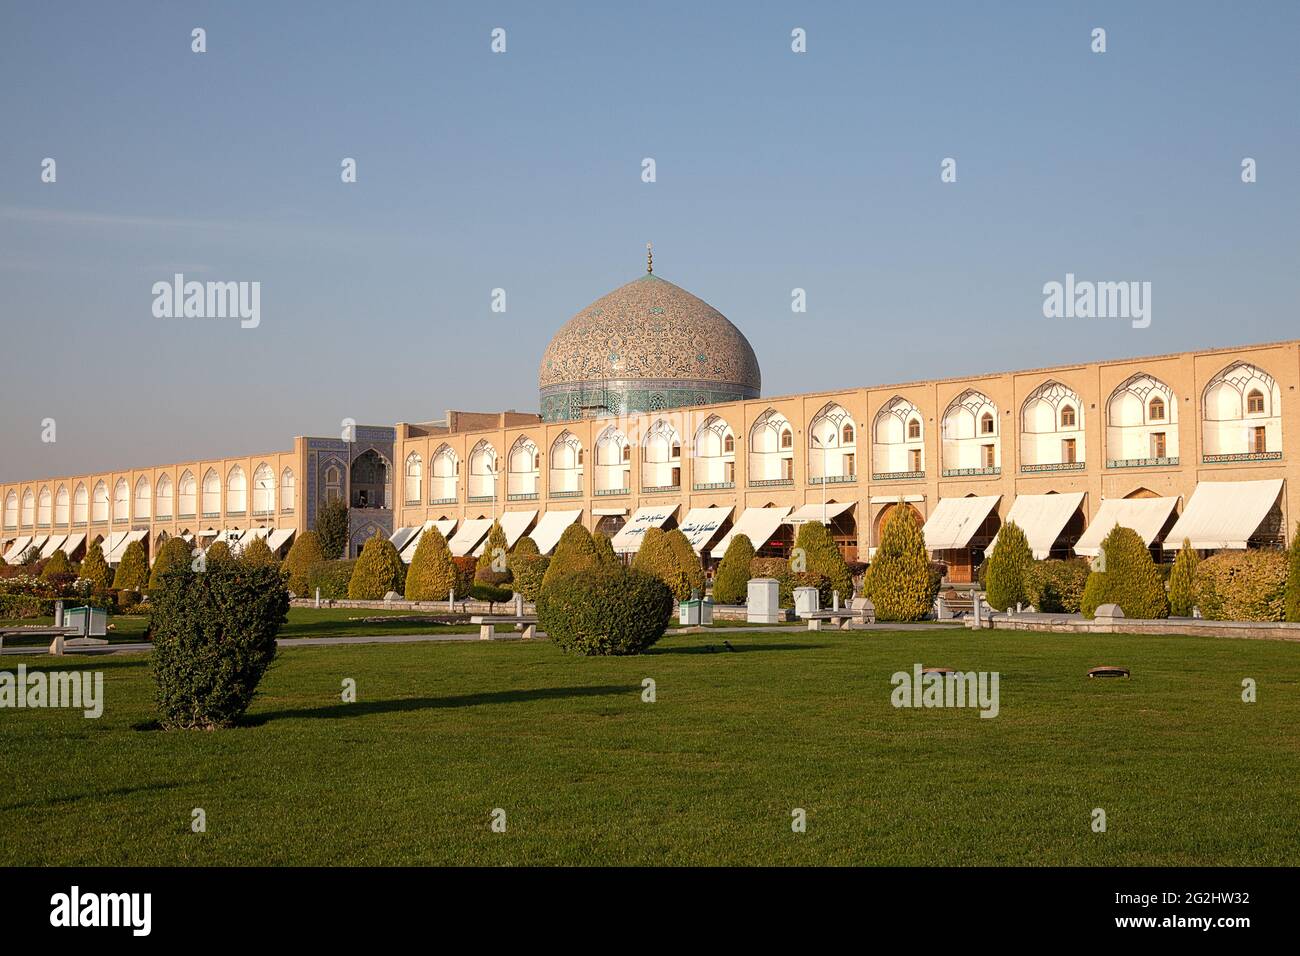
(757, 524)
(17, 548)
(1146, 516)
(1224, 514)
(444, 525)
(278, 538)
(248, 537)
(1042, 518)
(115, 556)
(73, 543)
(54, 543)
(548, 531)
(401, 536)
(38, 542)
(113, 546)
(702, 524)
(831, 511)
(514, 524)
(955, 521)
(611, 512)
(471, 532)
(629, 537)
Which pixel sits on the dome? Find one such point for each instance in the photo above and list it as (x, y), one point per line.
(647, 345)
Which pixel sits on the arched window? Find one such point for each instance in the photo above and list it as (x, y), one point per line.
(11, 510)
(1156, 410)
(970, 440)
(714, 459)
(414, 479)
(771, 450)
(729, 444)
(613, 457)
(832, 451)
(163, 497)
(566, 466)
(236, 491)
(62, 506)
(787, 439)
(99, 502)
(187, 495)
(1255, 402)
(263, 490)
(914, 429)
(143, 499)
(661, 450)
(211, 494)
(333, 483)
(1242, 415)
(445, 468)
(483, 471)
(523, 464)
(288, 491)
(44, 508)
(987, 424)
(1141, 423)
(121, 501)
(1067, 417)
(29, 508)
(847, 435)
(80, 506)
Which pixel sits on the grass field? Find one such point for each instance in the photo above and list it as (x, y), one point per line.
(708, 774)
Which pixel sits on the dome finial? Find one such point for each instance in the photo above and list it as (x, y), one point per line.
(649, 258)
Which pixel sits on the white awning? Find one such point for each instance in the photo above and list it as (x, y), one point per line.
(830, 511)
(17, 548)
(1224, 514)
(629, 537)
(602, 512)
(54, 543)
(514, 524)
(278, 538)
(38, 542)
(247, 538)
(702, 524)
(1146, 516)
(548, 531)
(127, 537)
(470, 534)
(1042, 518)
(954, 521)
(757, 524)
(73, 543)
(401, 536)
(444, 525)
(113, 546)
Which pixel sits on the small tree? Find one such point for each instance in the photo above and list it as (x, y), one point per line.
(133, 570)
(432, 574)
(95, 569)
(304, 555)
(1008, 569)
(687, 563)
(173, 553)
(493, 565)
(217, 551)
(378, 571)
(575, 552)
(822, 556)
(1182, 581)
(1129, 579)
(258, 552)
(332, 526)
(57, 564)
(1292, 578)
(731, 582)
(898, 581)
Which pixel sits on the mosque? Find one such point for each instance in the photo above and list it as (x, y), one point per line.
(651, 415)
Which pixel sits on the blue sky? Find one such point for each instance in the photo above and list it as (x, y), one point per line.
(522, 171)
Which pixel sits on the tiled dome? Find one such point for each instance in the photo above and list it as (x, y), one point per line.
(646, 345)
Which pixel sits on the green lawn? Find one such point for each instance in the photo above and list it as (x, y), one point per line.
(588, 773)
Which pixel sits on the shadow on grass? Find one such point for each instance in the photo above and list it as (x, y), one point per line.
(720, 648)
(91, 795)
(403, 705)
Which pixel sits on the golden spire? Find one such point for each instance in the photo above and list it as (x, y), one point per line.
(649, 258)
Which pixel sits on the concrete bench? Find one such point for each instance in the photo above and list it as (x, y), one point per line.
(37, 631)
(487, 624)
(840, 619)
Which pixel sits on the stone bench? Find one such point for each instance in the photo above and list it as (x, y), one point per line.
(840, 619)
(487, 624)
(37, 631)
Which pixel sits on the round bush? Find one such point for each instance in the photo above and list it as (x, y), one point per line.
(611, 611)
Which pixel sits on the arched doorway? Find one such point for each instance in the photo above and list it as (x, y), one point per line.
(370, 481)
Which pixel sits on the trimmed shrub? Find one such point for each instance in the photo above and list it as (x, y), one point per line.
(1007, 568)
(575, 552)
(304, 554)
(1130, 578)
(1242, 586)
(173, 553)
(332, 523)
(777, 568)
(213, 639)
(495, 555)
(465, 566)
(1056, 587)
(378, 571)
(731, 582)
(258, 552)
(898, 580)
(524, 546)
(217, 551)
(610, 611)
(490, 593)
(527, 568)
(133, 570)
(95, 569)
(688, 562)
(332, 577)
(1292, 602)
(668, 556)
(1182, 582)
(56, 565)
(604, 547)
(431, 575)
(822, 556)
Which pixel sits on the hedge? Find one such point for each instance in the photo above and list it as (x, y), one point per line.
(731, 582)
(258, 552)
(1007, 567)
(1292, 602)
(1243, 586)
(378, 571)
(1056, 587)
(1130, 578)
(57, 564)
(304, 555)
(432, 574)
(898, 580)
(528, 567)
(217, 551)
(610, 611)
(604, 548)
(332, 578)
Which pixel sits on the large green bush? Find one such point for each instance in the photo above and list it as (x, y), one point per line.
(332, 525)
(332, 578)
(304, 555)
(95, 569)
(173, 553)
(378, 571)
(1056, 587)
(213, 639)
(731, 581)
(1130, 578)
(610, 611)
(898, 580)
(822, 556)
(217, 551)
(133, 570)
(432, 574)
(1182, 582)
(1292, 611)
(1242, 586)
(57, 564)
(575, 552)
(668, 556)
(495, 556)
(528, 567)
(1007, 568)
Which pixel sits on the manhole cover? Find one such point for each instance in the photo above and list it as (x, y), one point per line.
(1108, 672)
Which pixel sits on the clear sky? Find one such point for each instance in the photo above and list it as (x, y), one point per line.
(522, 171)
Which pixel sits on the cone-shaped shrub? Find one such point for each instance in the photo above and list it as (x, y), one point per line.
(217, 551)
(1182, 581)
(524, 546)
(492, 566)
(527, 568)
(1005, 583)
(575, 552)
(305, 554)
(606, 611)
(657, 558)
(1293, 578)
(95, 569)
(605, 556)
(258, 553)
(431, 575)
(174, 552)
(822, 556)
(1130, 579)
(133, 570)
(378, 571)
(332, 522)
(687, 563)
(898, 581)
(731, 582)
(57, 564)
